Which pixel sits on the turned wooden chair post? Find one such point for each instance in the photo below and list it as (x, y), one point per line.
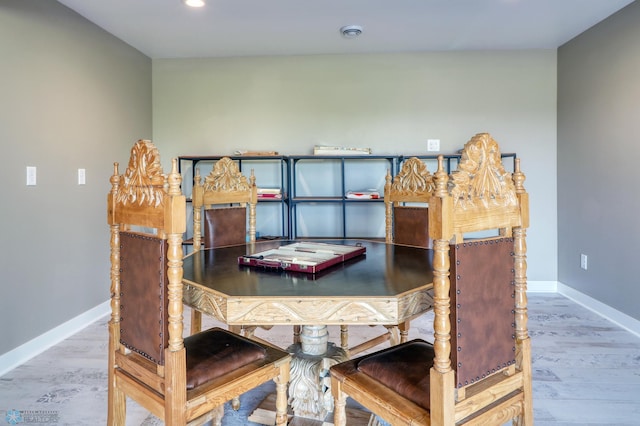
(388, 209)
(116, 398)
(175, 354)
(196, 199)
(442, 377)
(523, 342)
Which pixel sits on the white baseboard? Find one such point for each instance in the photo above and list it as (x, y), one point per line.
(623, 320)
(23, 353)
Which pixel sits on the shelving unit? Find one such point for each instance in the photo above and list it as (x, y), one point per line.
(318, 204)
(314, 187)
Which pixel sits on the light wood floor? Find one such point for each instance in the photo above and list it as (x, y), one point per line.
(586, 371)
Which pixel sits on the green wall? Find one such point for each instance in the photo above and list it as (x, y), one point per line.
(391, 103)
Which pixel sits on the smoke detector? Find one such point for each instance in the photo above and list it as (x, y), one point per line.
(351, 31)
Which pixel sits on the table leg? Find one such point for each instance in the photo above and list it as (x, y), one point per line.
(309, 386)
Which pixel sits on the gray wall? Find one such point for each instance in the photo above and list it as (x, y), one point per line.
(598, 128)
(72, 96)
(390, 103)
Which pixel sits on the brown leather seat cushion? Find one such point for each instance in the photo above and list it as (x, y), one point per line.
(403, 368)
(215, 352)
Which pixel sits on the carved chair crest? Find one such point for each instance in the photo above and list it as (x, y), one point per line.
(481, 179)
(413, 178)
(143, 183)
(226, 177)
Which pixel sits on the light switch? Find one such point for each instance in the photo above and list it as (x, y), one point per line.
(81, 177)
(31, 176)
(433, 145)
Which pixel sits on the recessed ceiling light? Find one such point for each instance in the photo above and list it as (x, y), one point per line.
(194, 3)
(351, 31)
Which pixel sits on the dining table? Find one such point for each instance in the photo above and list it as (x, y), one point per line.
(386, 285)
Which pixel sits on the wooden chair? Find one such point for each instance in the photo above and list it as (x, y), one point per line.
(406, 199)
(225, 196)
(178, 380)
(478, 369)
(223, 200)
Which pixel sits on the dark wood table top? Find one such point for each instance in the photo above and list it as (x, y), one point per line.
(389, 283)
(384, 270)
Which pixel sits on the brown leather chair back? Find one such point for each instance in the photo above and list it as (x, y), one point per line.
(143, 295)
(225, 226)
(411, 226)
(482, 308)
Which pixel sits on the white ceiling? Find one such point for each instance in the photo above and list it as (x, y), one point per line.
(169, 29)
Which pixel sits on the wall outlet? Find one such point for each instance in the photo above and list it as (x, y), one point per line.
(81, 177)
(583, 261)
(433, 144)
